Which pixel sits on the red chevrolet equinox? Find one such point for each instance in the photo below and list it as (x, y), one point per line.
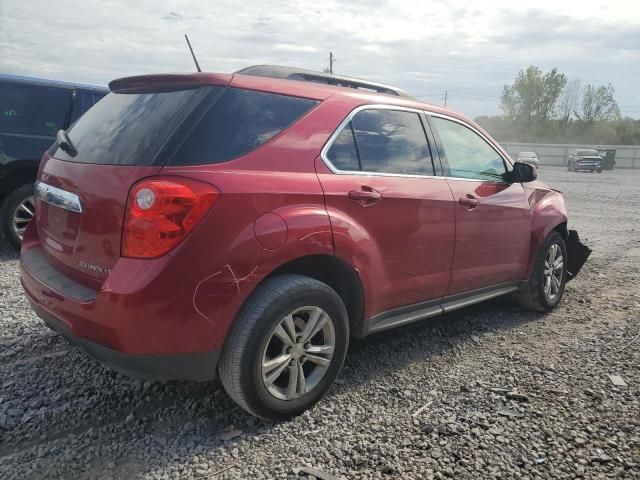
(247, 225)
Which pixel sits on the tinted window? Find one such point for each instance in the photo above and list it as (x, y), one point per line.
(32, 109)
(467, 153)
(83, 101)
(391, 141)
(50, 114)
(343, 153)
(129, 128)
(239, 121)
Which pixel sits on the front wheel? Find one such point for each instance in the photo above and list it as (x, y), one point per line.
(286, 347)
(599, 170)
(545, 286)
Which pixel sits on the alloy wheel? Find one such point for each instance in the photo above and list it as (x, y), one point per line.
(553, 272)
(298, 353)
(22, 215)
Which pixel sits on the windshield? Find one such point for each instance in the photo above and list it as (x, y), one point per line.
(588, 153)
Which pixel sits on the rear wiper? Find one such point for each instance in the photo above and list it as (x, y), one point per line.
(64, 142)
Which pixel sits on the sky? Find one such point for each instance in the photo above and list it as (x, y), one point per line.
(468, 48)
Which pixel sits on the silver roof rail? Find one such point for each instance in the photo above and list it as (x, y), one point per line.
(290, 73)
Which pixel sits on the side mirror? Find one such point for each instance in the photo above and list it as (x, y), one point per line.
(522, 173)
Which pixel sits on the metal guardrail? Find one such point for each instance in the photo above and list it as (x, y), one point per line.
(627, 156)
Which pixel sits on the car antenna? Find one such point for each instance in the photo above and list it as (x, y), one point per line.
(192, 54)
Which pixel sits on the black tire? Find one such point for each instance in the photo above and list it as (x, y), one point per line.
(568, 167)
(7, 210)
(240, 363)
(532, 294)
(600, 170)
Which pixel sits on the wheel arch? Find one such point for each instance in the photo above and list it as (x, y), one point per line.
(336, 273)
(548, 214)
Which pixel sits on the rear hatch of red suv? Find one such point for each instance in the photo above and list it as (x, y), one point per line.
(83, 187)
(99, 195)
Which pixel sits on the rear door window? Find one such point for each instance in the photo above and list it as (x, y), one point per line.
(383, 141)
(238, 122)
(343, 153)
(33, 109)
(392, 141)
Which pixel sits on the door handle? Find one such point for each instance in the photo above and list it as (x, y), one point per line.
(469, 202)
(366, 196)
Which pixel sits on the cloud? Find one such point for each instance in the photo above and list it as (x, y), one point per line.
(424, 48)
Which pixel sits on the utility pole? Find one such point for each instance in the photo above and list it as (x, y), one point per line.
(445, 97)
(331, 62)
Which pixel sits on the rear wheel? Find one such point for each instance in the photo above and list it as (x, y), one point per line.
(16, 211)
(569, 167)
(286, 347)
(599, 170)
(545, 287)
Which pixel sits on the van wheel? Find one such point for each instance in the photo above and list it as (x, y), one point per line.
(545, 287)
(285, 348)
(16, 211)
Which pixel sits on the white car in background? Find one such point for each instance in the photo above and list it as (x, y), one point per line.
(529, 157)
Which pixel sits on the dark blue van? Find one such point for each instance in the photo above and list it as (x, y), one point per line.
(31, 113)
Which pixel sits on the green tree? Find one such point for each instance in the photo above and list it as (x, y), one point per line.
(533, 95)
(598, 103)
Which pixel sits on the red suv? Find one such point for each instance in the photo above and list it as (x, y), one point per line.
(249, 224)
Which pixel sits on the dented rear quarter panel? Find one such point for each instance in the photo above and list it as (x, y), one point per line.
(270, 211)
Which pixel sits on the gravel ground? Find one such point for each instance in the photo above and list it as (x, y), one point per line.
(488, 392)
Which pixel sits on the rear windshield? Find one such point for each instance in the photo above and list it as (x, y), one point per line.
(128, 128)
(182, 127)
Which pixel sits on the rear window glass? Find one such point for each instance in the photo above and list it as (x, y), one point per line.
(129, 128)
(239, 121)
(33, 109)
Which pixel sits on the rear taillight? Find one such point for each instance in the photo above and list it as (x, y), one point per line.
(161, 212)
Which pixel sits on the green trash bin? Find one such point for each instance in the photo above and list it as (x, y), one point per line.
(608, 157)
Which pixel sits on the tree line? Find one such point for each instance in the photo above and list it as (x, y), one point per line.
(548, 107)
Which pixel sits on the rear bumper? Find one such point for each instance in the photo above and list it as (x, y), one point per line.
(137, 325)
(200, 366)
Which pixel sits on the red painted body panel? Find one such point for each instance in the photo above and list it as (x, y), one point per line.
(548, 210)
(278, 203)
(492, 239)
(94, 235)
(402, 245)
